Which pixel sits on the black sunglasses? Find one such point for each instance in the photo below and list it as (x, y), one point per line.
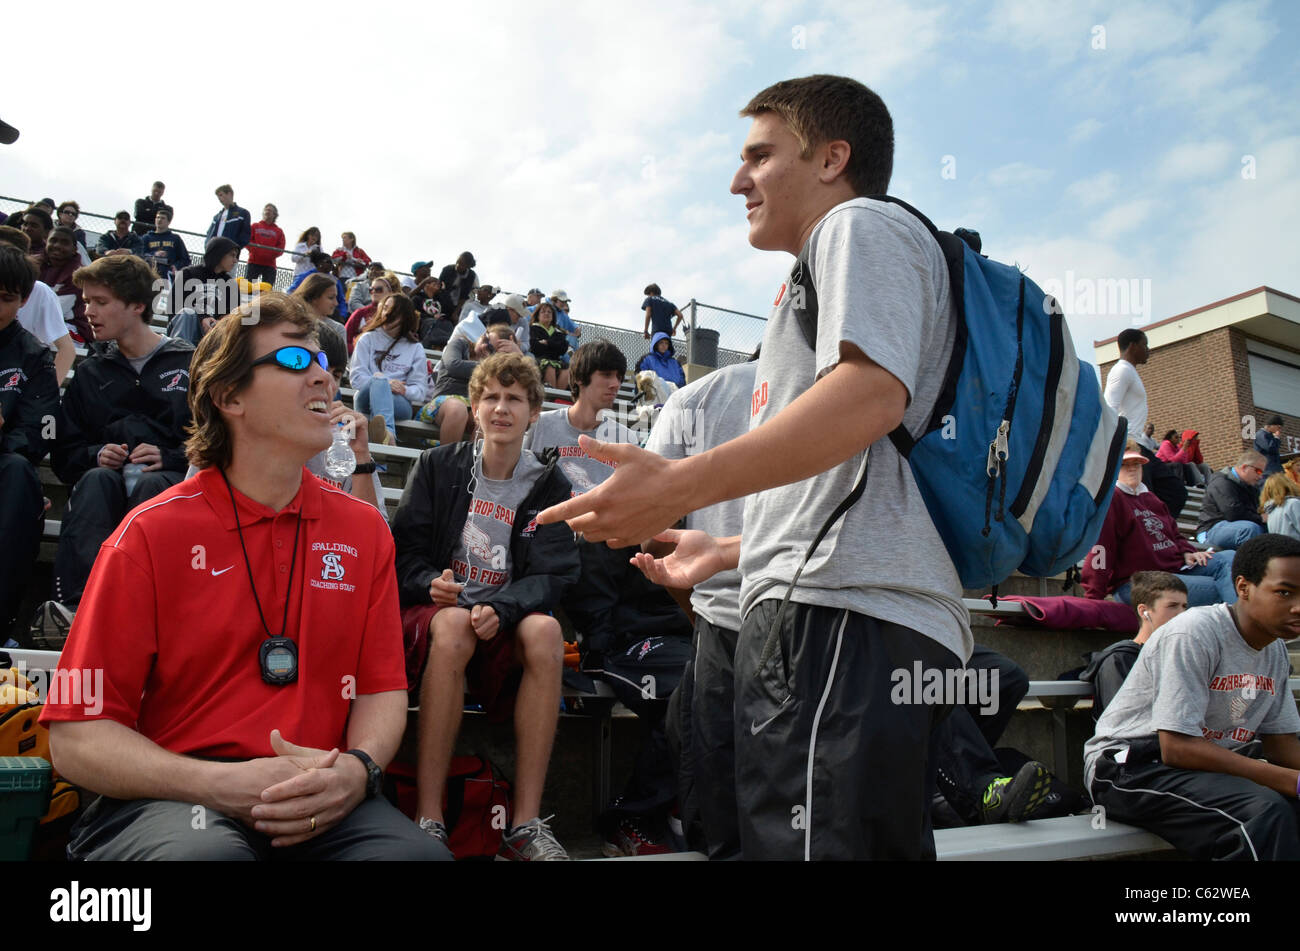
(297, 359)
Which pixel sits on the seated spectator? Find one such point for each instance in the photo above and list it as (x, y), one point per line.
(1173, 753)
(231, 221)
(1158, 596)
(1291, 468)
(459, 280)
(1230, 513)
(67, 216)
(186, 727)
(41, 315)
(121, 432)
(1139, 534)
(323, 264)
(121, 240)
(477, 579)
(308, 243)
(1195, 471)
(381, 286)
(57, 266)
(1279, 504)
(471, 324)
(349, 260)
(549, 346)
(359, 287)
(431, 299)
(164, 248)
(449, 408)
(1268, 443)
(519, 321)
(319, 293)
(659, 314)
(29, 396)
(561, 300)
(265, 246)
(37, 224)
(201, 294)
(146, 209)
(388, 368)
(661, 361)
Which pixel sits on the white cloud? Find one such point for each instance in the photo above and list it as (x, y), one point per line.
(1196, 160)
(1092, 190)
(1084, 130)
(1122, 218)
(1017, 174)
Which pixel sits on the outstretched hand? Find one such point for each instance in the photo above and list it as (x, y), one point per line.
(633, 504)
(697, 557)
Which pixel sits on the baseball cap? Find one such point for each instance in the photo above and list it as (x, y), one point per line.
(419, 264)
(407, 281)
(516, 303)
(1133, 455)
(535, 290)
(561, 295)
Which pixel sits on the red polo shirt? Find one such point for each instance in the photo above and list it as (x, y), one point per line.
(169, 618)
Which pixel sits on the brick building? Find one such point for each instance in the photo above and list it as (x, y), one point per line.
(1223, 369)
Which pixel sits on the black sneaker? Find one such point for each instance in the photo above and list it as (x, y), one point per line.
(1014, 798)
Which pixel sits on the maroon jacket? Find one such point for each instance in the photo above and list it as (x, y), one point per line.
(1138, 534)
(59, 278)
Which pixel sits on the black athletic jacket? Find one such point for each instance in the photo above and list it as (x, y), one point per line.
(428, 523)
(106, 401)
(1107, 670)
(29, 393)
(614, 605)
(1227, 500)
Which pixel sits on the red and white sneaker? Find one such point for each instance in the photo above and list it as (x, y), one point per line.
(631, 838)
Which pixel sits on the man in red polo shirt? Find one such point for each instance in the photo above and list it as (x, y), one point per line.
(237, 633)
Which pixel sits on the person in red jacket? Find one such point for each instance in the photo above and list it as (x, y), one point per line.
(1139, 534)
(349, 259)
(1185, 450)
(261, 260)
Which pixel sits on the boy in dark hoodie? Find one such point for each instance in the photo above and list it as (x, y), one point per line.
(121, 432)
(202, 293)
(477, 576)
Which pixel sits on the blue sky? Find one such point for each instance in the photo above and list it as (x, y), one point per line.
(590, 146)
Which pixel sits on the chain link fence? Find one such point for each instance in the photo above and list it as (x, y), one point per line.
(714, 336)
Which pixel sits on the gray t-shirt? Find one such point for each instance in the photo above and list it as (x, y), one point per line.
(137, 363)
(583, 472)
(882, 285)
(1198, 676)
(482, 563)
(701, 415)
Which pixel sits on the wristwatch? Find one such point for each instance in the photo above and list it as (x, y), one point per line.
(374, 775)
(364, 468)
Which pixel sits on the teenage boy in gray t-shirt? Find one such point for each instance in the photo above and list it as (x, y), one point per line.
(1199, 746)
(827, 765)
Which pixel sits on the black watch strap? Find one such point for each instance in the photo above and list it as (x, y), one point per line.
(364, 468)
(374, 775)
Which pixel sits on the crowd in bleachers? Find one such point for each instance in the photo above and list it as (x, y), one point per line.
(469, 564)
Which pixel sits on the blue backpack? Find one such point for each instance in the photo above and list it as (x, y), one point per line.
(1017, 461)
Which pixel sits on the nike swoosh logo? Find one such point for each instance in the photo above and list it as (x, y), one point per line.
(215, 572)
(756, 728)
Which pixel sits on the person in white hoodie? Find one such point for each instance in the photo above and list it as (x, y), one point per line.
(1279, 504)
(388, 369)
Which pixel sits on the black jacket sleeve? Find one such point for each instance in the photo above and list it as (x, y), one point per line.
(74, 453)
(1107, 670)
(552, 567)
(416, 535)
(26, 422)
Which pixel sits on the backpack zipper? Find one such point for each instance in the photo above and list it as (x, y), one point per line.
(999, 449)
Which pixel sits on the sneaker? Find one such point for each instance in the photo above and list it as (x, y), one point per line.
(531, 841)
(1013, 798)
(629, 838)
(50, 626)
(436, 829)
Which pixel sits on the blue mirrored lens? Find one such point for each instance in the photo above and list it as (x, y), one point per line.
(293, 358)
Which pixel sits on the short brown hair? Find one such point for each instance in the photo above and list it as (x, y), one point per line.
(222, 364)
(15, 237)
(68, 204)
(223, 188)
(130, 279)
(506, 369)
(1147, 586)
(820, 109)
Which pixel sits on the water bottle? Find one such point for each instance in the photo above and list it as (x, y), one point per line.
(131, 475)
(340, 460)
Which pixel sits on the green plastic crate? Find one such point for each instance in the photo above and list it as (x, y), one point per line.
(24, 798)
